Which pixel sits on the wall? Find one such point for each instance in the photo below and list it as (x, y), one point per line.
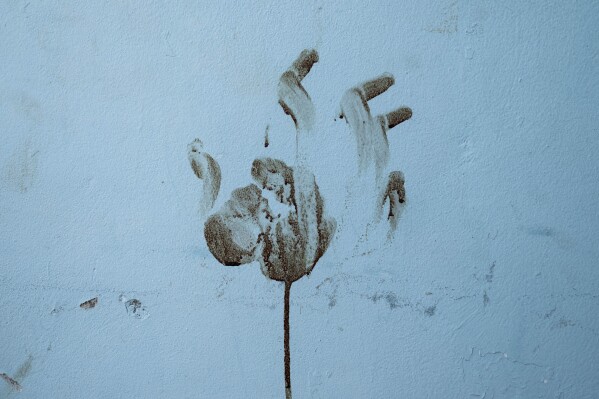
(488, 289)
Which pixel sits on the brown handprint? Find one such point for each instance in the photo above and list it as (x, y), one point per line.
(288, 245)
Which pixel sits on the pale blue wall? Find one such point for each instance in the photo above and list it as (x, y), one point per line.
(490, 288)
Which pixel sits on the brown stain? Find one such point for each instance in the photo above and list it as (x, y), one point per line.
(286, 346)
(372, 88)
(395, 193)
(205, 168)
(89, 304)
(304, 62)
(398, 116)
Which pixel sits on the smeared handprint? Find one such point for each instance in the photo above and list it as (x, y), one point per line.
(288, 244)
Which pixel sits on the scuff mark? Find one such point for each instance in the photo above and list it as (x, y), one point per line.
(329, 287)
(540, 231)
(89, 304)
(390, 297)
(25, 368)
(563, 322)
(449, 23)
(220, 291)
(12, 382)
(136, 309)
(486, 298)
(550, 313)
(430, 310)
(206, 169)
(232, 234)
(21, 170)
(489, 276)
(56, 310)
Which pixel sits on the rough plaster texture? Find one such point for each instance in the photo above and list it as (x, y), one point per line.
(489, 289)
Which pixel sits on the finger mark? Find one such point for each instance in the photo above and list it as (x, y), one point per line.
(396, 117)
(304, 63)
(376, 86)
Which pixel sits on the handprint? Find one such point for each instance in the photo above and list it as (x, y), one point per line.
(287, 245)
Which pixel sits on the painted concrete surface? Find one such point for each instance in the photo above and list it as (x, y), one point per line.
(488, 287)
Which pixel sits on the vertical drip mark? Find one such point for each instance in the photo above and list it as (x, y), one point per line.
(266, 142)
(286, 342)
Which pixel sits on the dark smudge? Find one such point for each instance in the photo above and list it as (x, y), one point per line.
(89, 304)
(136, 309)
(550, 313)
(25, 368)
(540, 231)
(430, 310)
(266, 142)
(491, 274)
(14, 384)
(395, 193)
(207, 169)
